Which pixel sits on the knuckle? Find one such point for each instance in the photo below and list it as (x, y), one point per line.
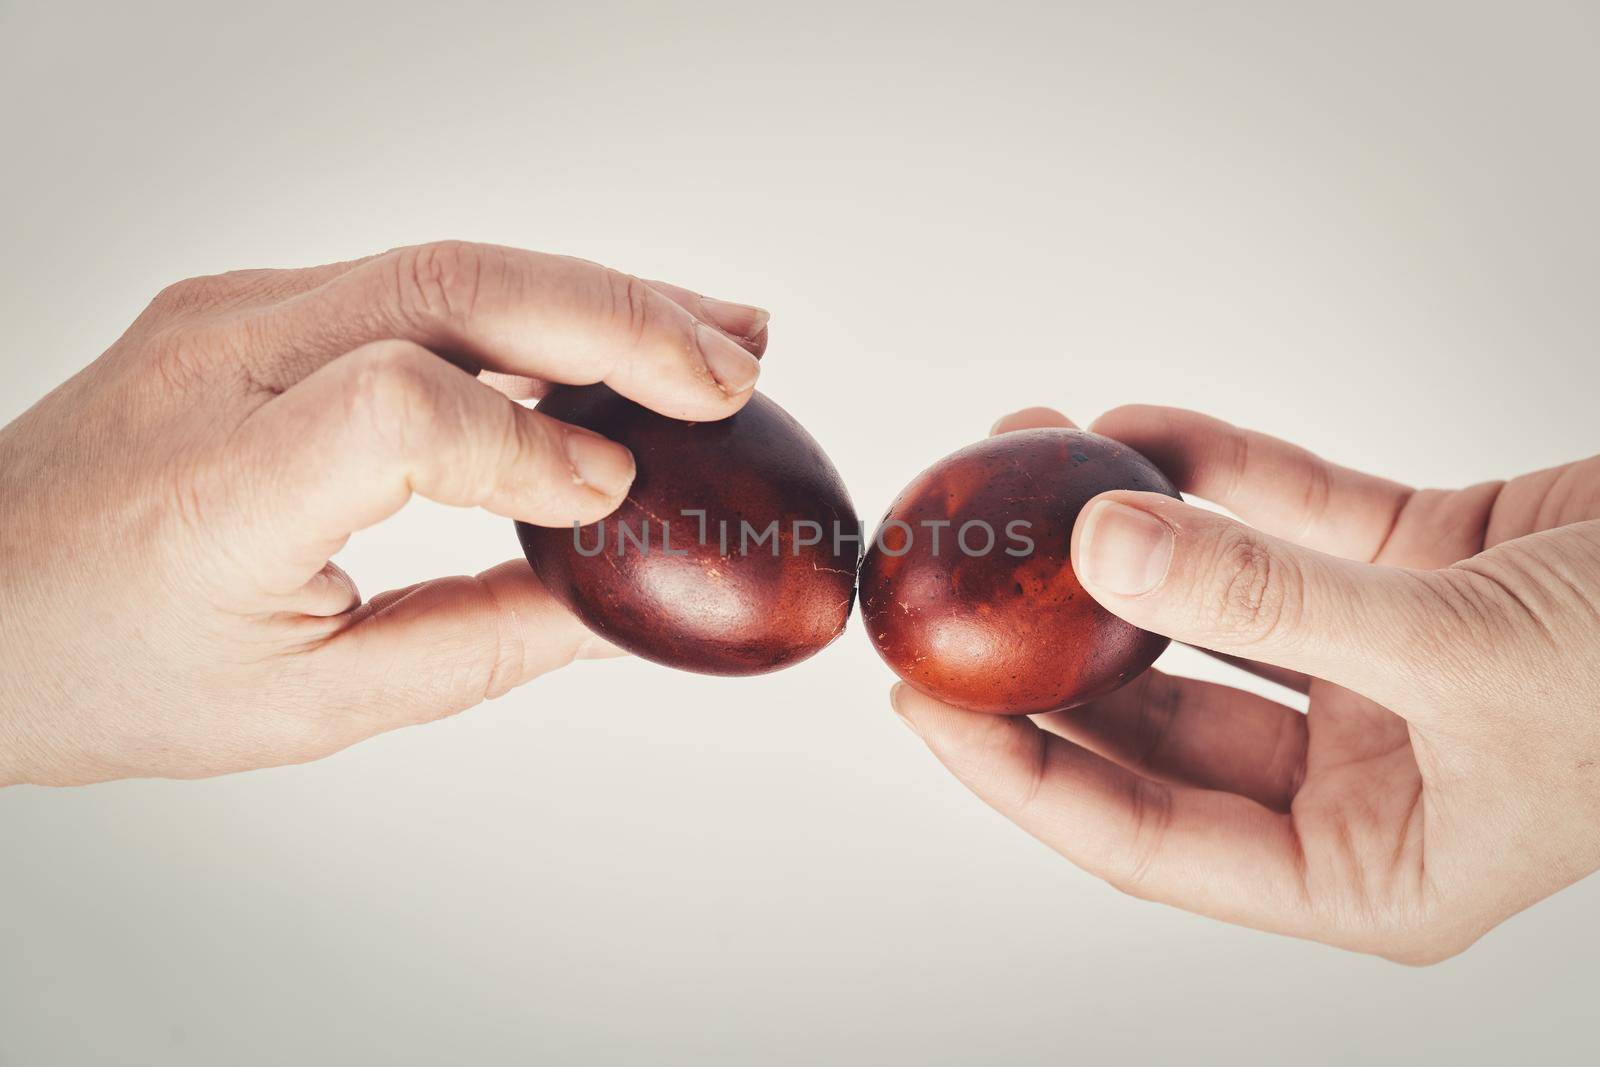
(528, 441)
(1157, 712)
(186, 296)
(513, 447)
(392, 389)
(630, 304)
(480, 661)
(210, 352)
(1286, 763)
(1316, 493)
(393, 370)
(1235, 444)
(1249, 591)
(1150, 818)
(182, 356)
(198, 351)
(1038, 764)
(438, 282)
(505, 666)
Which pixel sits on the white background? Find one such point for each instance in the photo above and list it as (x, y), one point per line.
(1370, 228)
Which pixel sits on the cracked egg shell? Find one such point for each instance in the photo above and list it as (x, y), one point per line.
(718, 603)
(1009, 631)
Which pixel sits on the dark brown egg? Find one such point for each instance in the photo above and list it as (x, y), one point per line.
(735, 552)
(968, 591)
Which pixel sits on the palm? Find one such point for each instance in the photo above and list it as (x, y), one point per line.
(1360, 812)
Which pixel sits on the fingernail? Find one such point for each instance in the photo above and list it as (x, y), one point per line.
(1125, 551)
(741, 320)
(734, 369)
(757, 345)
(600, 464)
(896, 697)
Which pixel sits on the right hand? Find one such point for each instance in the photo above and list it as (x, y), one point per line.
(167, 605)
(1447, 774)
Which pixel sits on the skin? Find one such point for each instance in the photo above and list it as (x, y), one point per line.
(167, 602)
(1447, 774)
(169, 607)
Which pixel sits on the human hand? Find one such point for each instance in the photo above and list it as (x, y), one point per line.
(167, 605)
(1447, 773)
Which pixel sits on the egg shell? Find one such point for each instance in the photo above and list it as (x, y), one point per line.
(707, 593)
(1010, 630)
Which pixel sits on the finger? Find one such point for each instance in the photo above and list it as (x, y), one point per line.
(1041, 417)
(451, 643)
(1544, 500)
(1031, 419)
(1206, 580)
(1195, 733)
(1211, 852)
(514, 312)
(1273, 485)
(1294, 680)
(329, 592)
(348, 446)
(514, 386)
(744, 323)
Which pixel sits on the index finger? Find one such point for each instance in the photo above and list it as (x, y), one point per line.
(510, 311)
(1273, 485)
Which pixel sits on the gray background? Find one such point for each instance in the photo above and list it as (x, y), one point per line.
(1371, 228)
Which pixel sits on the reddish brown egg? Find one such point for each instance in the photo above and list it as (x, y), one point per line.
(968, 592)
(734, 553)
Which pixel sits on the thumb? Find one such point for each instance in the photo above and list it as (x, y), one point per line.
(1206, 580)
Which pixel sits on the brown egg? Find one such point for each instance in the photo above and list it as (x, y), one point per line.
(734, 553)
(968, 592)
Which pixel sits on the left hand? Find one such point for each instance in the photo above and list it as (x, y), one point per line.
(168, 604)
